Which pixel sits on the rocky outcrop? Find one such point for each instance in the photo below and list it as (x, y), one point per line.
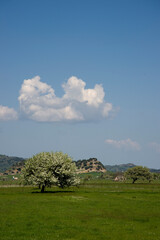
(89, 165)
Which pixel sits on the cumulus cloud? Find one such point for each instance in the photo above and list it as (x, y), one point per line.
(39, 102)
(75, 90)
(127, 144)
(155, 146)
(7, 113)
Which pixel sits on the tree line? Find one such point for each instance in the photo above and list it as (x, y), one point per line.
(48, 168)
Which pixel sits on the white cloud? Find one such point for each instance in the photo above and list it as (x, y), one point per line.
(7, 113)
(75, 90)
(39, 102)
(155, 146)
(127, 144)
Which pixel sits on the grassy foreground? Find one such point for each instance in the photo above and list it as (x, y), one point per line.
(112, 211)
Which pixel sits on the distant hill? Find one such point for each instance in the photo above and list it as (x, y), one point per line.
(89, 165)
(119, 168)
(155, 170)
(13, 165)
(7, 162)
(124, 167)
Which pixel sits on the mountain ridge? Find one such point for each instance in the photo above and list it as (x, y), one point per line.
(85, 165)
(124, 166)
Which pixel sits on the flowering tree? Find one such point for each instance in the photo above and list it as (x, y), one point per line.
(46, 169)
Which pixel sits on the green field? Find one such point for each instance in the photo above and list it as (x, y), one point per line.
(95, 211)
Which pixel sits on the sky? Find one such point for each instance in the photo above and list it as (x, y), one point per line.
(81, 77)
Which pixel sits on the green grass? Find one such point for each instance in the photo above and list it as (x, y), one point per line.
(92, 174)
(8, 180)
(95, 211)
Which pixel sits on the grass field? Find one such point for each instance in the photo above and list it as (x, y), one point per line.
(95, 211)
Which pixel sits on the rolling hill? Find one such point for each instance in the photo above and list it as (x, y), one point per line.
(89, 165)
(14, 164)
(7, 162)
(124, 167)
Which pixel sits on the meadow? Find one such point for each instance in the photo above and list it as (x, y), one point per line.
(94, 211)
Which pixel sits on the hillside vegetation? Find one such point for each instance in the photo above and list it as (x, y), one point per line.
(7, 162)
(89, 165)
(125, 167)
(119, 168)
(13, 165)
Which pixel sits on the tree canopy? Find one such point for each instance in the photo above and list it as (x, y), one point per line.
(49, 168)
(137, 173)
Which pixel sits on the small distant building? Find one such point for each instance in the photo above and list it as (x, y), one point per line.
(119, 178)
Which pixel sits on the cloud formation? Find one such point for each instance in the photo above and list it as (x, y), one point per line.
(155, 146)
(126, 144)
(39, 102)
(7, 113)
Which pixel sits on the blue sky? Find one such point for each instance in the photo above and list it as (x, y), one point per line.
(82, 77)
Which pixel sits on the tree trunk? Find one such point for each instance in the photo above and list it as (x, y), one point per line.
(42, 190)
(134, 179)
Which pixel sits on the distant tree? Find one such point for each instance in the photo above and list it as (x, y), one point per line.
(156, 176)
(85, 163)
(46, 169)
(137, 173)
(87, 167)
(88, 177)
(104, 175)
